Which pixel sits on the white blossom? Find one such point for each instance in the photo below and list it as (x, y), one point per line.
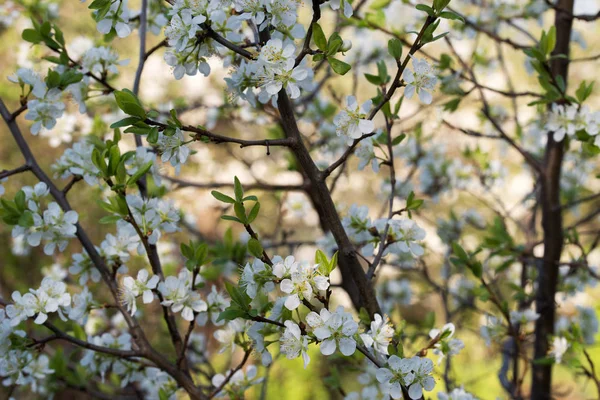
(379, 336)
(334, 330)
(560, 345)
(26, 76)
(293, 344)
(414, 373)
(133, 288)
(421, 80)
(180, 296)
(256, 278)
(237, 383)
(173, 148)
(117, 17)
(352, 121)
(562, 121)
(406, 233)
(523, 317)
(45, 111)
(456, 394)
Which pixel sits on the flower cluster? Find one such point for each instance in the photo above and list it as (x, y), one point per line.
(274, 69)
(299, 281)
(77, 161)
(101, 363)
(235, 385)
(173, 148)
(47, 107)
(179, 294)
(101, 61)
(116, 18)
(566, 120)
(380, 335)
(352, 121)
(24, 368)
(54, 226)
(413, 373)
(50, 297)
(334, 330)
(131, 289)
(445, 346)
(153, 216)
(406, 235)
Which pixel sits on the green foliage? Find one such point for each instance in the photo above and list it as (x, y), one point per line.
(461, 258)
(413, 204)
(328, 48)
(196, 254)
(326, 266)
(382, 76)
(129, 103)
(395, 48)
(241, 216)
(15, 212)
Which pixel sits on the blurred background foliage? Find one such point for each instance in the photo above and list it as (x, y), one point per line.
(476, 367)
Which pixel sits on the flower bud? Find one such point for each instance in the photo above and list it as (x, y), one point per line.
(347, 45)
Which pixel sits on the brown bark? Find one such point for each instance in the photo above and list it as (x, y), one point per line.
(552, 223)
(354, 280)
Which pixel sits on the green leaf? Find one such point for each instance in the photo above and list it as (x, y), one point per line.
(398, 139)
(32, 36)
(129, 103)
(374, 79)
(253, 212)
(53, 79)
(58, 35)
(98, 4)
(460, 252)
(114, 156)
(26, 219)
(20, 201)
(395, 48)
(551, 40)
(451, 15)
(476, 268)
(333, 262)
(98, 161)
(239, 298)
(584, 91)
(231, 218)
(319, 37)
(240, 212)
(222, 197)
(110, 219)
(426, 8)
(334, 43)
(153, 135)
(439, 5)
(230, 314)
(139, 173)
(322, 261)
(238, 189)
(339, 67)
(125, 122)
(69, 77)
(379, 4)
(255, 248)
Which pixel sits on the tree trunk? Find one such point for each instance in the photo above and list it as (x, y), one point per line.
(552, 224)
